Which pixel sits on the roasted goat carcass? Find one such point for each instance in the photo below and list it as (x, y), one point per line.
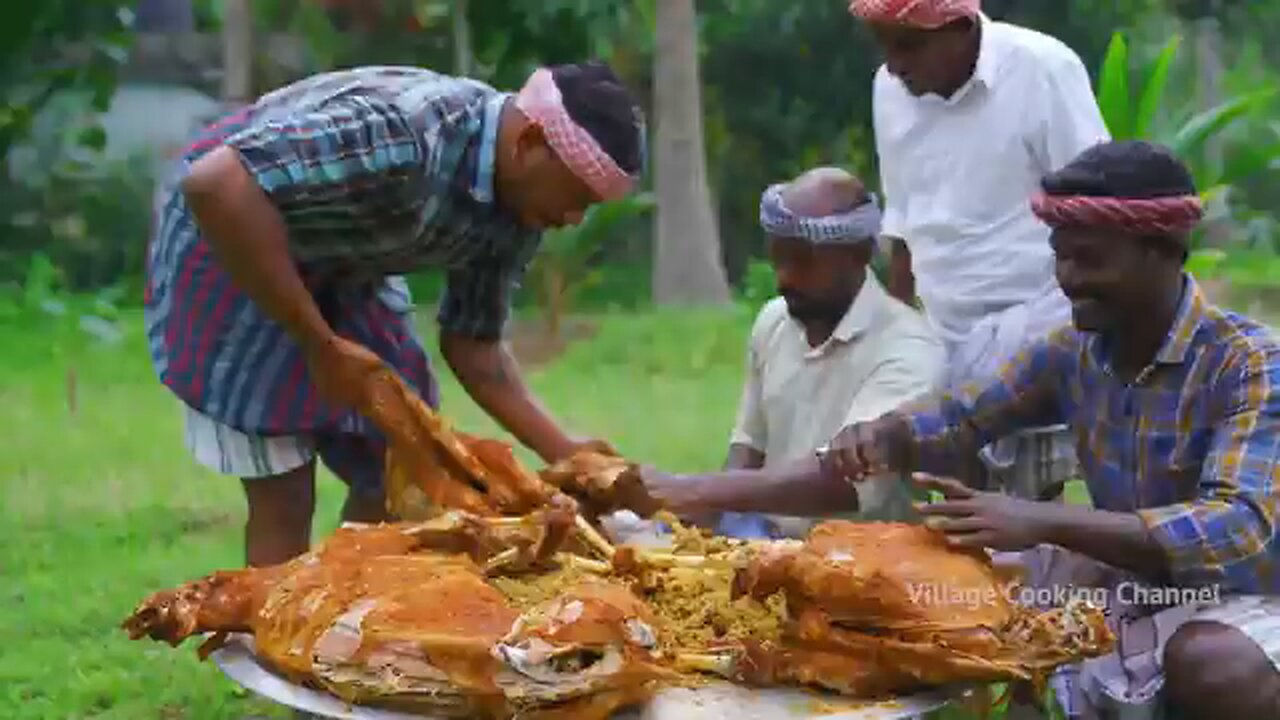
(490, 617)
(882, 608)
(491, 607)
(403, 616)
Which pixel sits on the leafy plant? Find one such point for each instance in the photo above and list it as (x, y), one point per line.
(1128, 117)
(562, 268)
(1135, 112)
(54, 46)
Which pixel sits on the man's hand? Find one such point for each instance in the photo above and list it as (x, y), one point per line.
(593, 445)
(681, 494)
(340, 370)
(970, 518)
(864, 449)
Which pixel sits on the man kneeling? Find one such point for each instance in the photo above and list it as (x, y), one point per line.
(1175, 409)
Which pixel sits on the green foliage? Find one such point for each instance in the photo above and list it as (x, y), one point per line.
(1127, 119)
(90, 220)
(759, 285)
(55, 45)
(1189, 137)
(563, 266)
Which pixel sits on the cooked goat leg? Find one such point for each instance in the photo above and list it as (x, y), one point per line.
(222, 602)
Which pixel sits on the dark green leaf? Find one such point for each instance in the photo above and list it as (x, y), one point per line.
(1153, 89)
(1113, 89)
(94, 138)
(1193, 134)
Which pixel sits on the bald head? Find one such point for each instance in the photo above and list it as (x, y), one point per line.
(823, 191)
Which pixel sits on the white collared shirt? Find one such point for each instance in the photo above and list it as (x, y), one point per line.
(797, 397)
(958, 174)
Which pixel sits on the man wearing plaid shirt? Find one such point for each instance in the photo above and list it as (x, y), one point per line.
(272, 277)
(1175, 409)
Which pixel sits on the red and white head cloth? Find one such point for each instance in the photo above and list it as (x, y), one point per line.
(541, 102)
(1172, 215)
(924, 14)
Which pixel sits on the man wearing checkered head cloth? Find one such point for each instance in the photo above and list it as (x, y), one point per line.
(969, 113)
(833, 348)
(272, 279)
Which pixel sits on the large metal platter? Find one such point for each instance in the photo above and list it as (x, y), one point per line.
(715, 702)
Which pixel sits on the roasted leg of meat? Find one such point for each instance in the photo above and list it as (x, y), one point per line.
(898, 598)
(403, 616)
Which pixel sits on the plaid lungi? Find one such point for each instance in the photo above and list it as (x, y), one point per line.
(1127, 683)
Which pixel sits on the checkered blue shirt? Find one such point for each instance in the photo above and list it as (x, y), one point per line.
(376, 171)
(1192, 445)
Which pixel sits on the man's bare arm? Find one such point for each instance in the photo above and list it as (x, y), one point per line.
(248, 236)
(902, 283)
(800, 488)
(1118, 539)
(492, 377)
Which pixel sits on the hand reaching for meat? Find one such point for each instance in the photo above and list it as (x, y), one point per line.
(866, 448)
(602, 483)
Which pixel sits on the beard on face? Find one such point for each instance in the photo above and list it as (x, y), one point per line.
(806, 309)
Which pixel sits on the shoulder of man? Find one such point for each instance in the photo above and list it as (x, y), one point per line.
(1035, 50)
(1246, 343)
(904, 331)
(768, 321)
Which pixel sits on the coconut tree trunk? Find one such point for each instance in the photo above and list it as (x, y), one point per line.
(688, 268)
(237, 52)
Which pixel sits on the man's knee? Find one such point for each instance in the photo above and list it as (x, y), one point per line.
(1212, 667)
(286, 501)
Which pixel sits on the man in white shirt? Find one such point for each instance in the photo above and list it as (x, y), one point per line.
(833, 348)
(969, 114)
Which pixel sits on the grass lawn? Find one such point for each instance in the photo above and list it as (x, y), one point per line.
(102, 506)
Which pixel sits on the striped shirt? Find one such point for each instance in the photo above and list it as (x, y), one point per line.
(1192, 445)
(376, 171)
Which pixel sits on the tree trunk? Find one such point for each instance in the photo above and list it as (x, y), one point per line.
(461, 30)
(688, 268)
(237, 52)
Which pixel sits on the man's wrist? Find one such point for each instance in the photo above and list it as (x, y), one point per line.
(897, 441)
(1053, 526)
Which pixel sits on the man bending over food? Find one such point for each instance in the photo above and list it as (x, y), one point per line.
(831, 349)
(272, 292)
(1174, 405)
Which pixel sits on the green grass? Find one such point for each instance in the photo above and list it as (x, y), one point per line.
(104, 506)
